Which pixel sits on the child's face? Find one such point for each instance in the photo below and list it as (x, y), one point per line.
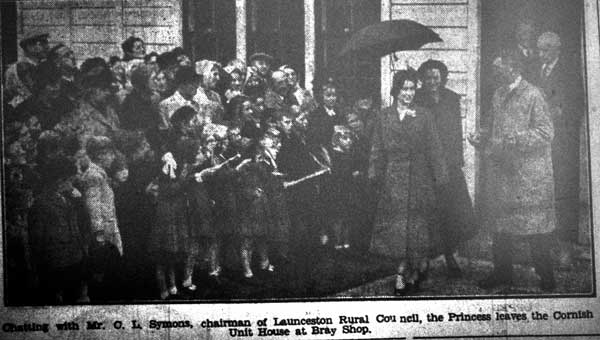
(202, 155)
(122, 175)
(344, 141)
(285, 124)
(329, 97)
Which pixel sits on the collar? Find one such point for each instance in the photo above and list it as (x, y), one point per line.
(524, 50)
(549, 67)
(179, 99)
(329, 112)
(405, 112)
(514, 85)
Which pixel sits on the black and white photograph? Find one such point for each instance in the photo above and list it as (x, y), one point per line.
(260, 151)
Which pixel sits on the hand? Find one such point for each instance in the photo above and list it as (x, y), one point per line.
(356, 173)
(99, 237)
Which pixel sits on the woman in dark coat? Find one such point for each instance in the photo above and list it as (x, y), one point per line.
(407, 158)
(455, 204)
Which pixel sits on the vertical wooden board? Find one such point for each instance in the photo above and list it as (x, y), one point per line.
(96, 16)
(166, 16)
(432, 15)
(43, 16)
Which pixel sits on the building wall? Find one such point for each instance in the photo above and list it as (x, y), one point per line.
(457, 23)
(98, 27)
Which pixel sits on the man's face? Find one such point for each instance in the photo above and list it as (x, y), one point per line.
(280, 83)
(291, 76)
(355, 123)
(37, 49)
(161, 82)
(503, 72)
(66, 58)
(50, 91)
(285, 124)
(548, 53)
(433, 80)
(184, 60)
(106, 159)
(101, 95)
(188, 90)
(138, 50)
(301, 122)
(330, 97)
(525, 34)
(211, 78)
(261, 66)
(237, 81)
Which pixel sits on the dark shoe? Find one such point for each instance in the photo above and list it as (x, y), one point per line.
(494, 280)
(453, 269)
(548, 284)
(214, 281)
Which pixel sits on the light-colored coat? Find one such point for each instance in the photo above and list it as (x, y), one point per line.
(100, 204)
(519, 190)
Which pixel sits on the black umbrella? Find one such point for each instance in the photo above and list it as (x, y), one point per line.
(386, 37)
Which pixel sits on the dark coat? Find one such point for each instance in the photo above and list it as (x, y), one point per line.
(563, 91)
(340, 189)
(139, 111)
(320, 125)
(408, 159)
(55, 233)
(455, 203)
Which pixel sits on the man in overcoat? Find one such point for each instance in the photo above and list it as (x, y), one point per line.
(563, 88)
(519, 191)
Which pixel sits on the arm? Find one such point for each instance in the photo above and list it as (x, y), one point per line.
(378, 156)
(540, 131)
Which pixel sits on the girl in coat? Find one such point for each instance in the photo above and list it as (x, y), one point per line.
(171, 236)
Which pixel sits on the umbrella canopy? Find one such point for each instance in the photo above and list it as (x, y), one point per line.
(386, 37)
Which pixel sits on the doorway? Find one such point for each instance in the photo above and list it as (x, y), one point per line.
(336, 21)
(209, 29)
(277, 28)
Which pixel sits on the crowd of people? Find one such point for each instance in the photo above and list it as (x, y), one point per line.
(154, 161)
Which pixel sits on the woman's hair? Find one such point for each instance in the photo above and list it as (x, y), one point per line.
(400, 78)
(127, 45)
(182, 115)
(432, 64)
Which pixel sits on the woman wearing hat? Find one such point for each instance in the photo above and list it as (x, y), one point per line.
(407, 161)
(456, 207)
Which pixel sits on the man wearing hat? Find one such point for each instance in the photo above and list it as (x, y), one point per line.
(261, 64)
(18, 80)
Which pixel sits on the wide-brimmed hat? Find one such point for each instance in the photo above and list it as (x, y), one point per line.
(260, 56)
(33, 36)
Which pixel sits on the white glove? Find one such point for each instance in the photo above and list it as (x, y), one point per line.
(170, 165)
